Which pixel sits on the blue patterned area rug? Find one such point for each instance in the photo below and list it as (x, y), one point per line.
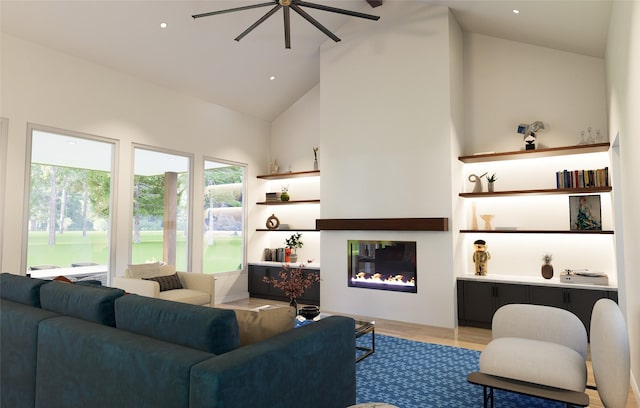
(411, 374)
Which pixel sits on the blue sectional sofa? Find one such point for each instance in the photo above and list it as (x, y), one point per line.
(75, 345)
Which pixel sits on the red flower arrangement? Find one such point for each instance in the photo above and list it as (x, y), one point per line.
(292, 281)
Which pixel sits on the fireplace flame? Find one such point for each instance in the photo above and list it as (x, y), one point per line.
(378, 278)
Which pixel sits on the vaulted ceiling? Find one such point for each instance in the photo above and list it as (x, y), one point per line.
(200, 57)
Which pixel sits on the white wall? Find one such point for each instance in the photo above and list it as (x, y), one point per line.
(623, 97)
(508, 83)
(386, 128)
(294, 134)
(42, 86)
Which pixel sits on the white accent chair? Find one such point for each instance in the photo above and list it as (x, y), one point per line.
(541, 351)
(197, 288)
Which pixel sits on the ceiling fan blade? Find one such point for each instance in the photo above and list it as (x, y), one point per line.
(338, 10)
(313, 21)
(287, 28)
(213, 13)
(257, 23)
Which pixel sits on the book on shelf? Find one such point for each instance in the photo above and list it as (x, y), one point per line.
(582, 178)
(273, 196)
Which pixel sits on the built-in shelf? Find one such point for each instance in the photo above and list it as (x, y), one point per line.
(287, 230)
(295, 174)
(528, 231)
(289, 202)
(526, 154)
(383, 224)
(590, 190)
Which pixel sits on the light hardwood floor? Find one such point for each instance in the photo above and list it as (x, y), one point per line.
(465, 337)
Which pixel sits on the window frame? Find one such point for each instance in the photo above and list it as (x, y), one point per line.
(190, 224)
(245, 167)
(113, 193)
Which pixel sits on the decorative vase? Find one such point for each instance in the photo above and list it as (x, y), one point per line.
(487, 220)
(547, 271)
(284, 196)
(293, 302)
(490, 186)
(287, 254)
(293, 258)
(315, 164)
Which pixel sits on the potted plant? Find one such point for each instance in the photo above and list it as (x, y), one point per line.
(490, 180)
(293, 243)
(293, 282)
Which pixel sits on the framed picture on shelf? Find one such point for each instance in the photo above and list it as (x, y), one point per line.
(585, 213)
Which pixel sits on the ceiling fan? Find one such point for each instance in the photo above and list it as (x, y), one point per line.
(286, 6)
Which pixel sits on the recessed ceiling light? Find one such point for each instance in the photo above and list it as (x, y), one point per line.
(272, 77)
(516, 11)
(163, 25)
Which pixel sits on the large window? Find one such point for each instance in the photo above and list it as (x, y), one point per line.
(223, 217)
(69, 214)
(161, 208)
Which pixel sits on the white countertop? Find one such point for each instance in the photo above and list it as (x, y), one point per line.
(312, 265)
(534, 280)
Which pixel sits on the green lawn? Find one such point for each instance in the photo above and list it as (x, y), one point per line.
(224, 255)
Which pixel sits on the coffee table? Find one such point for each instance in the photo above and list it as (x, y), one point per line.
(364, 327)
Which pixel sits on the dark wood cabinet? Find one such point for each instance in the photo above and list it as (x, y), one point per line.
(478, 301)
(260, 289)
(578, 301)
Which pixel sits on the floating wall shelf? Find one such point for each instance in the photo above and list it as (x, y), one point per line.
(383, 224)
(297, 174)
(529, 154)
(590, 190)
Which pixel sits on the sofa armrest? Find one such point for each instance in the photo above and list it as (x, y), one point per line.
(311, 366)
(199, 281)
(138, 286)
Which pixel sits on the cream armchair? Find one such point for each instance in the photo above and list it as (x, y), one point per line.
(163, 282)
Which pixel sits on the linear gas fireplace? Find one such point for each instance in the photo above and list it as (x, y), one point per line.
(383, 265)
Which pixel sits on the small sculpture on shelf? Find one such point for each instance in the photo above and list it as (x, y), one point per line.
(273, 222)
(477, 180)
(315, 157)
(481, 257)
(528, 133)
(547, 268)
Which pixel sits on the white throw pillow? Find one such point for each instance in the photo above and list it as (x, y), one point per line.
(145, 270)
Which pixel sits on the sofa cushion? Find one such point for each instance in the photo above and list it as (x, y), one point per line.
(169, 282)
(149, 270)
(88, 302)
(18, 351)
(203, 328)
(257, 325)
(88, 365)
(192, 297)
(535, 361)
(21, 289)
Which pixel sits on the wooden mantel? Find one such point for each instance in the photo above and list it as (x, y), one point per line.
(383, 224)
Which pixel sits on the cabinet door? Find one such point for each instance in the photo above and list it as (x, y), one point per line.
(581, 301)
(549, 296)
(257, 287)
(311, 295)
(477, 303)
(506, 294)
